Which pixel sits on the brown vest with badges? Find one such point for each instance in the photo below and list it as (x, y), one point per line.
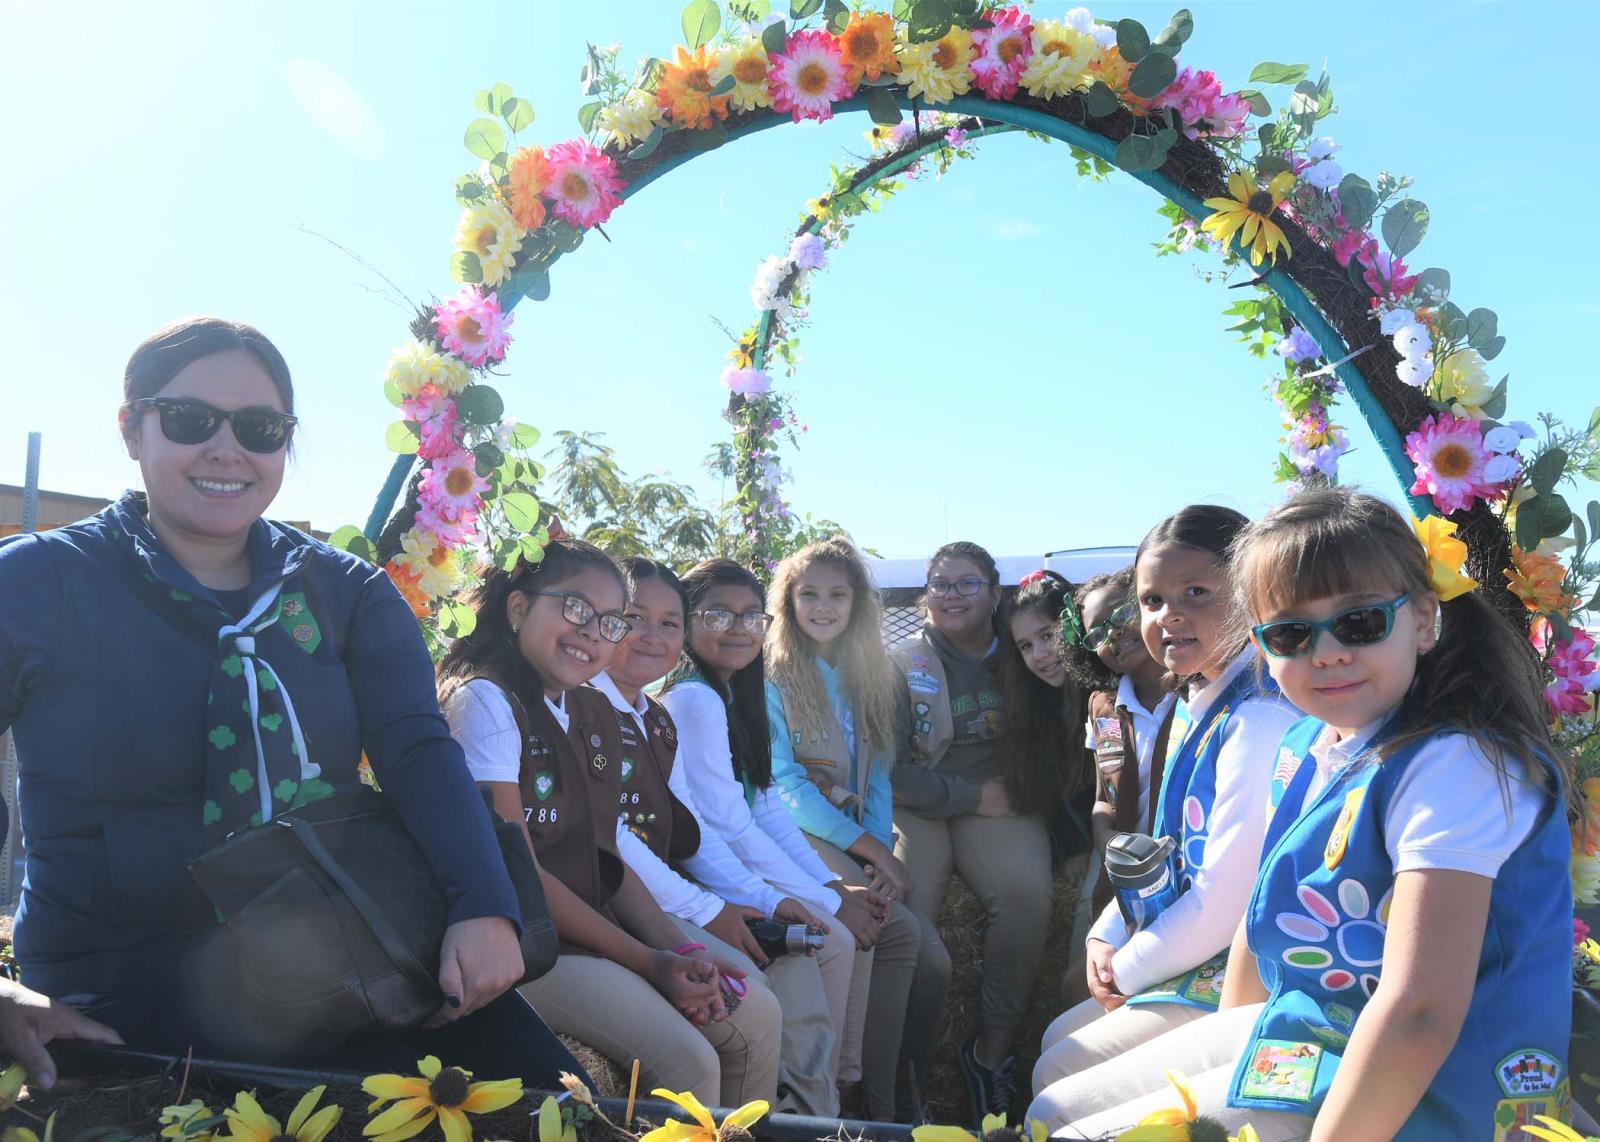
(932, 729)
(646, 806)
(826, 758)
(569, 787)
(1108, 718)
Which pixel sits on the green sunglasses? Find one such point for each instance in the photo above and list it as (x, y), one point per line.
(1359, 626)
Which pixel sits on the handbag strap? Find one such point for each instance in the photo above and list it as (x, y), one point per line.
(382, 930)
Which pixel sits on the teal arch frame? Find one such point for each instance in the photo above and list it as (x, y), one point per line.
(1016, 117)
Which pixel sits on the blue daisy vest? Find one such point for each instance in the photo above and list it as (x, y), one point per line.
(1317, 921)
(1183, 812)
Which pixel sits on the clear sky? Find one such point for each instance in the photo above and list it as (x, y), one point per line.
(998, 356)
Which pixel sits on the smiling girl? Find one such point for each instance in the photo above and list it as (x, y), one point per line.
(1212, 804)
(830, 708)
(718, 700)
(1404, 966)
(546, 747)
(954, 814)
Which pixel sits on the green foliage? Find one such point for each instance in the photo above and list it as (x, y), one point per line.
(883, 107)
(1278, 73)
(465, 267)
(480, 404)
(349, 538)
(701, 19)
(403, 436)
(1404, 225)
(484, 138)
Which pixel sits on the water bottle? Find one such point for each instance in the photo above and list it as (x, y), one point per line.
(1140, 872)
(779, 939)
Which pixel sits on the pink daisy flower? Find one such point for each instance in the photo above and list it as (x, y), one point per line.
(473, 327)
(808, 77)
(450, 532)
(583, 183)
(451, 487)
(1003, 51)
(433, 411)
(1449, 455)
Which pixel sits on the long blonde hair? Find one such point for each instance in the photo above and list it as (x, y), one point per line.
(871, 683)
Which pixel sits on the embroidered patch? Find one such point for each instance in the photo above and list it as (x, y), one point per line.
(299, 623)
(922, 682)
(599, 762)
(1281, 1070)
(1340, 837)
(543, 785)
(1282, 774)
(1205, 984)
(627, 768)
(921, 709)
(1108, 736)
(1528, 1071)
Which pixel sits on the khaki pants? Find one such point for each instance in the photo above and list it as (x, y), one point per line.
(880, 993)
(1006, 863)
(1108, 1098)
(805, 1058)
(609, 1008)
(1087, 1035)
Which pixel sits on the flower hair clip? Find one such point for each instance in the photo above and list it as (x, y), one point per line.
(1031, 578)
(1072, 632)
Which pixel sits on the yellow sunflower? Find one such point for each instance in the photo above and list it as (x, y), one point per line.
(993, 1124)
(1060, 61)
(747, 62)
(488, 230)
(175, 1121)
(867, 44)
(247, 1122)
(1553, 1130)
(704, 1128)
(1247, 211)
(939, 71)
(630, 119)
(1168, 1125)
(441, 1092)
(685, 89)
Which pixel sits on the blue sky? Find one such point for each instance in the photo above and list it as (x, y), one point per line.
(997, 356)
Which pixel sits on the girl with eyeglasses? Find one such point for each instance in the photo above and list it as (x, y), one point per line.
(686, 865)
(717, 698)
(1403, 969)
(177, 668)
(548, 750)
(1211, 804)
(831, 705)
(954, 814)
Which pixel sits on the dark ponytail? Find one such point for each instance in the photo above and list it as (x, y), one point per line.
(1042, 743)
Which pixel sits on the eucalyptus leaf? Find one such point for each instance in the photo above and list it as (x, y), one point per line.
(1134, 153)
(1175, 34)
(724, 85)
(1491, 348)
(1556, 516)
(1579, 535)
(533, 282)
(883, 108)
(1546, 471)
(484, 138)
(1278, 73)
(1357, 201)
(341, 538)
(518, 113)
(1100, 100)
(647, 146)
(465, 267)
(930, 20)
(1259, 106)
(803, 9)
(1452, 322)
(700, 21)
(1133, 42)
(403, 437)
(564, 236)
(835, 16)
(588, 113)
(1495, 406)
(1482, 325)
(708, 138)
(774, 38)
(480, 405)
(468, 189)
(1593, 512)
(1152, 75)
(524, 436)
(1530, 522)
(392, 393)
(487, 457)
(1165, 139)
(1435, 281)
(1404, 225)
(522, 510)
(491, 99)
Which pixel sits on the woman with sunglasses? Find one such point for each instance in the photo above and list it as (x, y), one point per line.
(1403, 969)
(548, 750)
(717, 699)
(954, 814)
(176, 668)
(1212, 804)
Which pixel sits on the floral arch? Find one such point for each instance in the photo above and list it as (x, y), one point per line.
(1322, 247)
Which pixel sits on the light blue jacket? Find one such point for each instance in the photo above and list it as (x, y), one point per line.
(811, 810)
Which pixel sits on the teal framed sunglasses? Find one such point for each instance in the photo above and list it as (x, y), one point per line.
(1359, 626)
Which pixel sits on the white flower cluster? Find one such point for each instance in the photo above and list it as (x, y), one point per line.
(1414, 344)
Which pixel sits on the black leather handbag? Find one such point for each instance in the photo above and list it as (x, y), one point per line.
(334, 919)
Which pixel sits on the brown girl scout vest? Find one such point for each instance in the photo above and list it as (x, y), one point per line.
(569, 785)
(646, 805)
(826, 758)
(1108, 718)
(932, 729)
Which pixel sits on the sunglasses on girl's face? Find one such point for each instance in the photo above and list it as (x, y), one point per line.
(1359, 626)
(720, 622)
(1102, 633)
(579, 611)
(188, 421)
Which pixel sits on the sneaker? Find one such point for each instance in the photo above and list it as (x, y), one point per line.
(988, 1091)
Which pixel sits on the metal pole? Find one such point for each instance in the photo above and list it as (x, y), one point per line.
(11, 855)
(30, 485)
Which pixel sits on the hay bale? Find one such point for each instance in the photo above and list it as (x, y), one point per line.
(961, 928)
(610, 1079)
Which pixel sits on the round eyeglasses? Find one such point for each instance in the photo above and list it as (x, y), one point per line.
(579, 611)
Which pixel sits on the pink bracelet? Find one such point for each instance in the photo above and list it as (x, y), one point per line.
(685, 949)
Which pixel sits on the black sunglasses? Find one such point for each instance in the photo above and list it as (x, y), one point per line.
(1359, 626)
(185, 420)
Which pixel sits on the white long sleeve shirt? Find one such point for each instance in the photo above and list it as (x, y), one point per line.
(763, 835)
(1201, 922)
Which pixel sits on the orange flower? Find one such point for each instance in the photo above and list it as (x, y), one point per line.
(409, 584)
(868, 47)
(685, 91)
(1537, 580)
(1112, 70)
(529, 175)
